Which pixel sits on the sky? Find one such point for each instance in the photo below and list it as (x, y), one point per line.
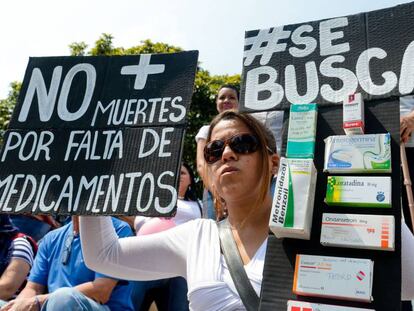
(215, 27)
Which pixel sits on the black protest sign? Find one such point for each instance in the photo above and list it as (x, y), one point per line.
(324, 61)
(98, 135)
(381, 116)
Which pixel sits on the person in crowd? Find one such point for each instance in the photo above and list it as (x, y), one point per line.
(16, 258)
(227, 98)
(188, 207)
(406, 137)
(239, 165)
(35, 226)
(171, 293)
(59, 279)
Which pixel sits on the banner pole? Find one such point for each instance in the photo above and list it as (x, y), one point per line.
(407, 182)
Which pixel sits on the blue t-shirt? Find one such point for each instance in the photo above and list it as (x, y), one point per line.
(49, 271)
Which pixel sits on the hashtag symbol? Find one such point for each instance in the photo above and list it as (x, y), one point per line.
(269, 38)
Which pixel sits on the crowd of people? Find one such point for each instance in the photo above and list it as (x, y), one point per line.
(105, 263)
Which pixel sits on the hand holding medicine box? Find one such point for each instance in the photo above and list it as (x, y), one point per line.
(333, 277)
(357, 191)
(358, 154)
(358, 231)
(293, 199)
(353, 115)
(294, 305)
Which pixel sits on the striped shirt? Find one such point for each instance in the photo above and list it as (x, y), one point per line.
(22, 249)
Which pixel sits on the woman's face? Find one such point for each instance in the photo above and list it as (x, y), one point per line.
(226, 99)
(185, 181)
(235, 175)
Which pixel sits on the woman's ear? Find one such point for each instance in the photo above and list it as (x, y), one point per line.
(274, 158)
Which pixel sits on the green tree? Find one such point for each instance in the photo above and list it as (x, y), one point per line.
(78, 48)
(6, 107)
(104, 46)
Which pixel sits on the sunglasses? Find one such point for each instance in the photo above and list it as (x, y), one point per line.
(239, 143)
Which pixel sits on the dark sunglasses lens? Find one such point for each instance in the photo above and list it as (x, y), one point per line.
(244, 144)
(213, 151)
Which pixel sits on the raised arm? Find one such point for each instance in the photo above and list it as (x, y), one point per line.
(155, 256)
(200, 158)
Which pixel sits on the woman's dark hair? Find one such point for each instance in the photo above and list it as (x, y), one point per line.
(190, 194)
(232, 87)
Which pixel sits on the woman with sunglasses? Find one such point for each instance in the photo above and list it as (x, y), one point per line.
(240, 161)
(227, 98)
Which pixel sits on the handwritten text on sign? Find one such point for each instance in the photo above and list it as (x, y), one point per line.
(324, 61)
(97, 135)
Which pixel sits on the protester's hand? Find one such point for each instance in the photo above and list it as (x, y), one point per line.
(406, 126)
(21, 304)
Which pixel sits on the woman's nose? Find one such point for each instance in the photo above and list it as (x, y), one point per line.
(228, 154)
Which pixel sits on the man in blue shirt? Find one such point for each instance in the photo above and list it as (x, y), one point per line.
(60, 280)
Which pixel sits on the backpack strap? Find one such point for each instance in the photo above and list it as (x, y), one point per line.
(234, 262)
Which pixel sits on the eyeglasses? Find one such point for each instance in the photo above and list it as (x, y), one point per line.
(239, 143)
(67, 249)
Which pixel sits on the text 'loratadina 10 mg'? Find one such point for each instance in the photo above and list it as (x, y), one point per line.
(367, 191)
(358, 154)
(294, 305)
(358, 231)
(293, 199)
(302, 131)
(333, 277)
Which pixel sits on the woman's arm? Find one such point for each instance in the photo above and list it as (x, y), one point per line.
(200, 158)
(155, 256)
(13, 277)
(406, 126)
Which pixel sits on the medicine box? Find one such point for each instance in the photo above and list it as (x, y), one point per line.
(353, 114)
(358, 154)
(302, 131)
(333, 277)
(367, 191)
(358, 231)
(293, 199)
(294, 305)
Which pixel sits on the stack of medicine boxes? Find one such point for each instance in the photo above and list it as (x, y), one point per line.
(353, 153)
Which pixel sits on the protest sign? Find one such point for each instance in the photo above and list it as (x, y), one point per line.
(324, 61)
(98, 135)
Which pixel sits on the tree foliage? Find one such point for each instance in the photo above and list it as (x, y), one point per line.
(202, 107)
(7, 106)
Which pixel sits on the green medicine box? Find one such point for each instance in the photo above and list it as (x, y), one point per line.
(302, 131)
(356, 191)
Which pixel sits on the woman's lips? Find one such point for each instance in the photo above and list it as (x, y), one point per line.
(228, 106)
(229, 170)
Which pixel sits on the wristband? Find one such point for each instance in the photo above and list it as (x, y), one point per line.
(37, 303)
